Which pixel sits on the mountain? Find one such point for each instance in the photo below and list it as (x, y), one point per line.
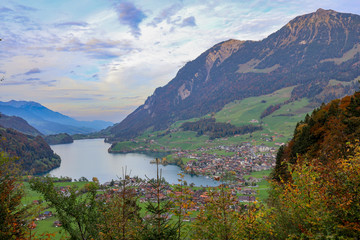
(317, 53)
(34, 154)
(48, 121)
(18, 124)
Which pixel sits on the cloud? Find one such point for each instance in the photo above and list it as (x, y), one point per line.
(93, 44)
(131, 16)
(21, 19)
(5, 9)
(75, 98)
(32, 79)
(33, 71)
(188, 22)
(26, 8)
(72, 24)
(166, 14)
(98, 49)
(103, 55)
(134, 97)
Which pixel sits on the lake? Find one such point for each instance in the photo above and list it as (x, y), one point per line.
(89, 158)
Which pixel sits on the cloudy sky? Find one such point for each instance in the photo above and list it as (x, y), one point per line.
(100, 59)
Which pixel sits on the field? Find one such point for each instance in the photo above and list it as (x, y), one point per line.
(282, 121)
(263, 186)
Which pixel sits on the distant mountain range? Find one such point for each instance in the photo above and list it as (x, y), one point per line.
(47, 121)
(318, 54)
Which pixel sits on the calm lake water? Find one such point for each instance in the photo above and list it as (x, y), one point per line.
(90, 158)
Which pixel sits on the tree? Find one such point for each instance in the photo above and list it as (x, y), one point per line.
(77, 212)
(321, 200)
(157, 224)
(120, 213)
(182, 203)
(218, 216)
(254, 222)
(12, 213)
(299, 206)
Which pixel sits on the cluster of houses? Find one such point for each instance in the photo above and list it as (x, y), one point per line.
(246, 158)
(43, 216)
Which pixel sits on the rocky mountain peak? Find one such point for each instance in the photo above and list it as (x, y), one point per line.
(321, 11)
(220, 52)
(321, 26)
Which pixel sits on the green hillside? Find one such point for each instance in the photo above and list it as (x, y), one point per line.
(280, 124)
(281, 121)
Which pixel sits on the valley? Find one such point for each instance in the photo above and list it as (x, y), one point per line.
(255, 139)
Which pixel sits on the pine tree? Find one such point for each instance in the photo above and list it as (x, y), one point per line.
(157, 223)
(120, 213)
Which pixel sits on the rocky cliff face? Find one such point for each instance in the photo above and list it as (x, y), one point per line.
(311, 52)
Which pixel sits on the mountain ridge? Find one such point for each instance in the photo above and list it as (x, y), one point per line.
(308, 52)
(48, 121)
(18, 124)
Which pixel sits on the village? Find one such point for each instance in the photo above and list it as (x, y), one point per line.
(237, 161)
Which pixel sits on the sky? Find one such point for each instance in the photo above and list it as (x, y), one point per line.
(101, 59)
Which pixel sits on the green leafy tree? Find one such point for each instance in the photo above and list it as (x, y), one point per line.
(77, 212)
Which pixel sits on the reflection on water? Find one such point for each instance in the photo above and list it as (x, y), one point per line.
(89, 158)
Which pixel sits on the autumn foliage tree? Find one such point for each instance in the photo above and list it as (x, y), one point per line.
(315, 188)
(12, 213)
(182, 205)
(322, 135)
(218, 216)
(321, 201)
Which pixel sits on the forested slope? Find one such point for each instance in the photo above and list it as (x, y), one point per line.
(33, 153)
